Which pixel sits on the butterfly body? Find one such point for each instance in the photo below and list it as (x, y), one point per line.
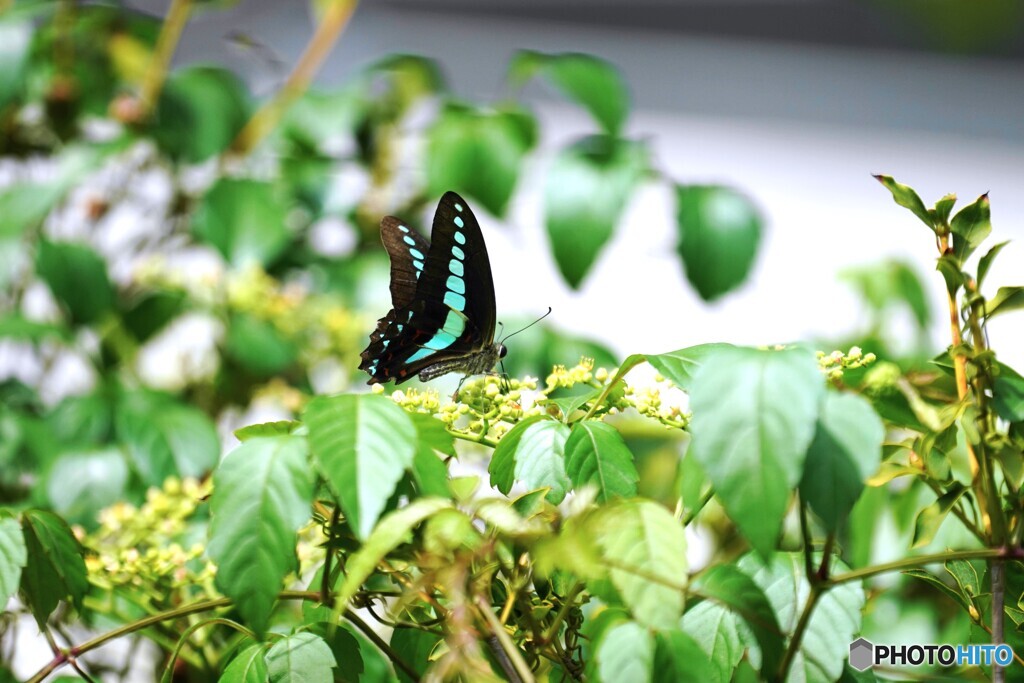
(443, 315)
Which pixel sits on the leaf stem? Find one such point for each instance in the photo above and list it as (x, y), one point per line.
(918, 560)
(567, 603)
(630, 363)
(166, 43)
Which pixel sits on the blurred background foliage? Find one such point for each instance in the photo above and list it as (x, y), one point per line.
(179, 258)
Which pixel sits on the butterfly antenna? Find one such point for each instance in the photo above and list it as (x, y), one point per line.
(522, 329)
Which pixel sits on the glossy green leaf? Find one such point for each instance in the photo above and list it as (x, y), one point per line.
(261, 497)
(478, 153)
(970, 226)
(1006, 299)
(165, 438)
(80, 484)
(13, 555)
(596, 454)
(625, 653)
(503, 461)
(719, 233)
(248, 666)
(907, 198)
(362, 445)
(1008, 394)
(414, 647)
(300, 658)
(729, 586)
(55, 569)
(719, 634)
(679, 659)
(244, 219)
(644, 548)
(259, 346)
(200, 111)
(986, 261)
(754, 415)
(540, 459)
(77, 276)
(845, 452)
(587, 189)
(931, 518)
(680, 366)
(834, 623)
(394, 528)
(591, 82)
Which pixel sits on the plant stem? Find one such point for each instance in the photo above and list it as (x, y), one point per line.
(628, 365)
(386, 648)
(508, 648)
(798, 633)
(704, 500)
(567, 603)
(997, 572)
(335, 17)
(918, 560)
(166, 43)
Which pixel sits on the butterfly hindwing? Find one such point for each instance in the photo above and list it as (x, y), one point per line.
(443, 313)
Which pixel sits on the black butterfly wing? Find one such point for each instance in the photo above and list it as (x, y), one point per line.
(451, 315)
(408, 252)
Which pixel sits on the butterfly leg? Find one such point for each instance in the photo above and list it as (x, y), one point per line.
(455, 396)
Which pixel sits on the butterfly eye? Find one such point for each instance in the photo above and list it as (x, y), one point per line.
(502, 351)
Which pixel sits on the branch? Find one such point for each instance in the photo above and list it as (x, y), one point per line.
(166, 42)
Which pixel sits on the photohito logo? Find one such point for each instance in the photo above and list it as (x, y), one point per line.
(865, 654)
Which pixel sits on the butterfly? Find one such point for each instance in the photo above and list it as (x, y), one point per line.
(442, 296)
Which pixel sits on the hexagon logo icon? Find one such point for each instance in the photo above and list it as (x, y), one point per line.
(862, 654)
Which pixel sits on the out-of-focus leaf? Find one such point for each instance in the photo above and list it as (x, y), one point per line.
(152, 313)
(537, 352)
(362, 445)
(680, 366)
(754, 415)
(13, 555)
(1006, 299)
(80, 484)
(478, 153)
(200, 111)
(55, 569)
(414, 647)
(346, 650)
(679, 659)
(625, 653)
(22, 329)
(248, 666)
(259, 346)
(718, 633)
(931, 518)
(77, 276)
(986, 261)
(891, 283)
(907, 198)
(1008, 394)
(586, 192)
(244, 219)
(260, 499)
(278, 428)
(970, 226)
(591, 82)
(15, 41)
(300, 658)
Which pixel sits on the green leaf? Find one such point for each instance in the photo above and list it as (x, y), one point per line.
(680, 366)
(970, 226)
(986, 261)
(300, 658)
(1008, 394)
(586, 192)
(414, 647)
(731, 587)
(625, 653)
(261, 497)
(478, 153)
(931, 518)
(200, 111)
(833, 625)
(1006, 299)
(259, 346)
(845, 452)
(278, 428)
(679, 659)
(943, 208)
(346, 650)
(591, 82)
(907, 198)
(717, 632)
(55, 569)
(644, 549)
(595, 453)
(15, 46)
(244, 220)
(393, 529)
(249, 666)
(540, 459)
(719, 232)
(362, 445)
(938, 583)
(503, 461)
(77, 276)
(432, 434)
(754, 415)
(13, 555)
(966, 577)
(17, 327)
(80, 484)
(892, 282)
(165, 438)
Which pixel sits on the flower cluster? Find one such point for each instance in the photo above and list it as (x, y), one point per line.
(565, 378)
(833, 364)
(146, 547)
(648, 401)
